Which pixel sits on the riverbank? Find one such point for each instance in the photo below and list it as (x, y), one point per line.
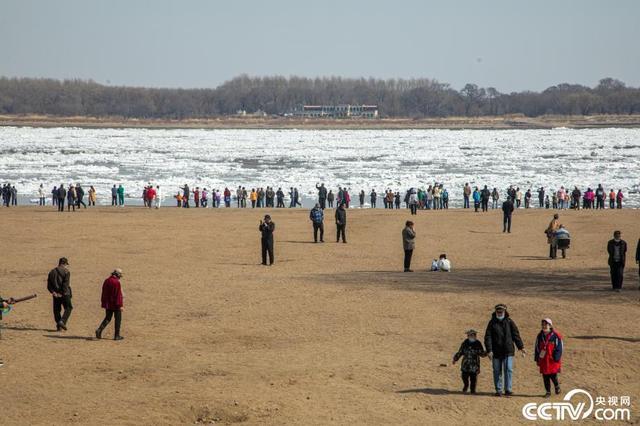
(331, 334)
(453, 123)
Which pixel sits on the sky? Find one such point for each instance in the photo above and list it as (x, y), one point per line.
(512, 45)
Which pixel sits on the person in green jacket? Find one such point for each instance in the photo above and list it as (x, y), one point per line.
(121, 195)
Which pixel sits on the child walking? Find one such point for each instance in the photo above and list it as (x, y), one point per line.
(470, 351)
(548, 355)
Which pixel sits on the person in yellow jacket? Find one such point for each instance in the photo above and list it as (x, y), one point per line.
(253, 197)
(92, 196)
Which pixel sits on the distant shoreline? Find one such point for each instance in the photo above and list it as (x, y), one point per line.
(452, 123)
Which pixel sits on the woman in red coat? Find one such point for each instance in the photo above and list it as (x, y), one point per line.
(112, 303)
(548, 355)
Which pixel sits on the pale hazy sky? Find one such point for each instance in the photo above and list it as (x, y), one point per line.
(507, 44)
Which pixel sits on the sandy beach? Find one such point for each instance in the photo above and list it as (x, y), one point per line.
(331, 334)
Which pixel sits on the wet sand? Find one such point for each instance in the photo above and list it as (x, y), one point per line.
(331, 334)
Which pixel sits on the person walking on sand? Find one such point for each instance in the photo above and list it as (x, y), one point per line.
(59, 285)
(341, 223)
(499, 340)
(112, 303)
(330, 198)
(266, 228)
(617, 249)
(80, 196)
(554, 225)
(507, 212)
(408, 244)
(470, 351)
(548, 356)
(317, 219)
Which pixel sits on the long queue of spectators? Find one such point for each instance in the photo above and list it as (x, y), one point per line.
(434, 197)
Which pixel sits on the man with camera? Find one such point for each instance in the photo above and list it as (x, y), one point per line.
(266, 228)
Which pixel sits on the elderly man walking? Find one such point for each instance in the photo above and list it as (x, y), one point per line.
(499, 339)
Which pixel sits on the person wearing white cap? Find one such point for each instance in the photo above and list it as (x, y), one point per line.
(548, 355)
(112, 302)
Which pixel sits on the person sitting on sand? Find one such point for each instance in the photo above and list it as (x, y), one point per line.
(548, 354)
(443, 264)
(470, 351)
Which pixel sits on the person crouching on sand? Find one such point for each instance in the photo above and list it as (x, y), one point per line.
(470, 351)
(548, 356)
(112, 302)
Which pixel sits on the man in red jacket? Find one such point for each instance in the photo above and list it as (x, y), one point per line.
(112, 303)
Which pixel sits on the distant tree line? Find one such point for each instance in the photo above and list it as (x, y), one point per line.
(281, 95)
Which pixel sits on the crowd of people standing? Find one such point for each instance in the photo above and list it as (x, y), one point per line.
(434, 197)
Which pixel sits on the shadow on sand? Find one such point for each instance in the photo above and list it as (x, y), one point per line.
(583, 284)
(64, 337)
(440, 391)
(26, 328)
(622, 339)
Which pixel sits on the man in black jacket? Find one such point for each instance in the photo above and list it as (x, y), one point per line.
(499, 339)
(80, 193)
(266, 228)
(485, 194)
(507, 211)
(322, 195)
(341, 223)
(617, 249)
(59, 285)
(62, 195)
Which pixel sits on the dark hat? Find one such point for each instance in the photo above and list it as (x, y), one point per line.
(266, 216)
(63, 261)
(501, 306)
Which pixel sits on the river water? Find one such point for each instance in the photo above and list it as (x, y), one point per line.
(357, 159)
